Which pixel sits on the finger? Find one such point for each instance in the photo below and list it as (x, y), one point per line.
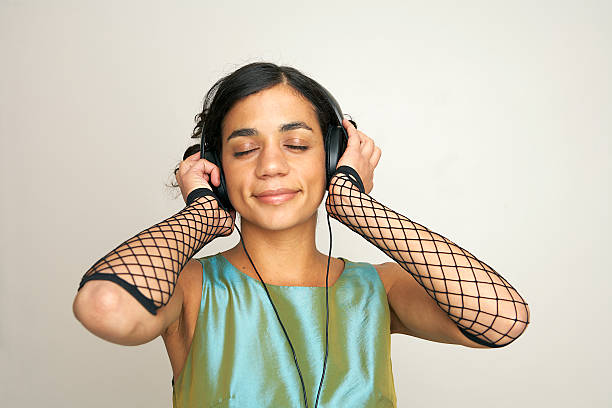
(363, 136)
(209, 170)
(347, 123)
(353, 138)
(348, 126)
(367, 147)
(184, 167)
(376, 156)
(217, 176)
(189, 162)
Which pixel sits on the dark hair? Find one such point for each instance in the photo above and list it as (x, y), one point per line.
(244, 81)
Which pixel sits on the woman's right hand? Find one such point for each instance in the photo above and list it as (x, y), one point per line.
(193, 173)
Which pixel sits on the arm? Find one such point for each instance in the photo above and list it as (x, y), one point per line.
(144, 271)
(482, 304)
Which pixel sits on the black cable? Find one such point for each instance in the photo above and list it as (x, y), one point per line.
(326, 309)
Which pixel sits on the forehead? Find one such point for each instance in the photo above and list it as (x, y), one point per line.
(266, 109)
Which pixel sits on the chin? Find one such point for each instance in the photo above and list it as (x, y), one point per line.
(278, 217)
(282, 221)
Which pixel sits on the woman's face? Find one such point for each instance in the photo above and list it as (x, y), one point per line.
(272, 140)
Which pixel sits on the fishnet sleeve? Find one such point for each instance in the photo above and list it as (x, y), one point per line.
(485, 307)
(148, 264)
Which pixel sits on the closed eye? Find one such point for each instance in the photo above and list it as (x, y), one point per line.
(238, 154)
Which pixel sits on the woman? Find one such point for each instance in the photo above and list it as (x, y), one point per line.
(227, 344)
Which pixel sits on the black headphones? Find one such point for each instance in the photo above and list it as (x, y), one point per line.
(335, 140)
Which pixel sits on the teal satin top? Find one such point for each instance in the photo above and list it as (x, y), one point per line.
(240, 357)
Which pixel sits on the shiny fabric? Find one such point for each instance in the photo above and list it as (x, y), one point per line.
(239, 355)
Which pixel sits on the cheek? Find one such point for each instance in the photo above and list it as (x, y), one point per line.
(317, 173)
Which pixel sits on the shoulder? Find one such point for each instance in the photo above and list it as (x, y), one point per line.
(189, 283)
(195, 270)
(387, 272)
(190, 275)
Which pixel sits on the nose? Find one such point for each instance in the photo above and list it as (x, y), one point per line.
(271, 161)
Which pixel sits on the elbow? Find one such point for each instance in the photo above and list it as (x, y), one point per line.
(514, 333)
(514, 324)
(97, 306)
(515, 327)
(520, 323)
(503, 332)
(523, 320)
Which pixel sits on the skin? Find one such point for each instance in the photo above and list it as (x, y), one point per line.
(280, 238)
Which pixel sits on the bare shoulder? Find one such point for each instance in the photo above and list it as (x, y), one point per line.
(190, 280)
(191, 273)
(388, 273)
(189, 283)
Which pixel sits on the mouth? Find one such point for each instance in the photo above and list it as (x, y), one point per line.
(277, 196)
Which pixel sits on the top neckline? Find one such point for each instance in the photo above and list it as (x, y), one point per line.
(248, 277)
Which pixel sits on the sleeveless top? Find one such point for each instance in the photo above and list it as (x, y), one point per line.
(240, 357)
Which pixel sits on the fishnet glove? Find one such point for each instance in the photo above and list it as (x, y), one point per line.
(148, 264)
(485, 307)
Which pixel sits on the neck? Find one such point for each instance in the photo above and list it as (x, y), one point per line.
(284, 257)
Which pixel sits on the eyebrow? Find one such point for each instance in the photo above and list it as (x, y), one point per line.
(285, 127)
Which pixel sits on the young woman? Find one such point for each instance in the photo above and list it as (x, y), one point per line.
(272, 321)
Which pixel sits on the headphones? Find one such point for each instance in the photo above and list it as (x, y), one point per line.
(335, 140)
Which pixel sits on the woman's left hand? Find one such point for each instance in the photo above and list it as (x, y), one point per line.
(361, 154)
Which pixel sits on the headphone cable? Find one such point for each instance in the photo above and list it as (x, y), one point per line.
(281, 323)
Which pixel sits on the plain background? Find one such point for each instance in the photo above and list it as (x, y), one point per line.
(494, 120)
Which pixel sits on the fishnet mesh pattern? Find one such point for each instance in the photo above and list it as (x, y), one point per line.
(148, 264)
(485, 307)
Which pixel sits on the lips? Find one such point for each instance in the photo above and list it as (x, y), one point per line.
(277, 196)
(275, 192)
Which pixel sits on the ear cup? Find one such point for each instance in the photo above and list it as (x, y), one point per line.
(336, 137)
(336, 140)
(221, 190)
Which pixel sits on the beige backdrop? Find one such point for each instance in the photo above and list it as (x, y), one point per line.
(494, 120)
